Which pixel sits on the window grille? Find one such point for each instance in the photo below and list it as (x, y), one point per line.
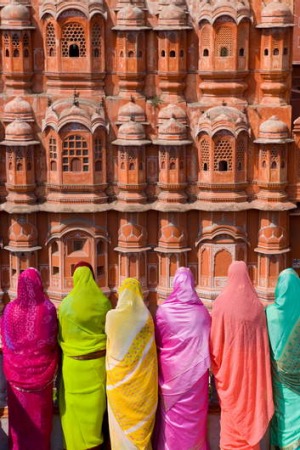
(96, 40)
(224, 40)
(73, 40)
(75, 154)
(204, 145)
(50, 40)
(223, 153)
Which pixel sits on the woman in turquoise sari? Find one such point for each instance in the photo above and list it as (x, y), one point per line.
(283, 319)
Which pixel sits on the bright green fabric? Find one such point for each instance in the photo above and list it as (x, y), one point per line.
(82, 399)
(283, 318)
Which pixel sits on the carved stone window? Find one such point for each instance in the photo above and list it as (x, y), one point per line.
(240, 153)
(224, 41)
(96, 40)
(223, 154)
(26, 46)
(75, 154)
(16, 45)
(6, 44)
(73, 43)
(98, 154)
(50, 40)
(204, 146)
(274, 162)
(53, 154)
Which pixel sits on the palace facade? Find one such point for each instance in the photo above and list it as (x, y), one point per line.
(141, 136)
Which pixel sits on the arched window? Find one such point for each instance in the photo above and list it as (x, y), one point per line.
(15, 45)
(206, 52)
(276, 51)
(204, 149)
(16, 53)
(19, 167)
(222, 166)
(264, 164)
(75, 154)
(73, 42)
(53, 166)
(131, 166)
(224, 51)
(241, 52)
(273, 165)
(266, 52)
(205, 167)
(172, 54)
(130, 54)
(7, 53)
(172, 165)
(73, 51)
(285, 51)
(163, 53)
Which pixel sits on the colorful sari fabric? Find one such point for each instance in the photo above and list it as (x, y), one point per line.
(82, 338)
(182, 336)
(131, 364)
(241, 362)
(283, 318)
(29, 337)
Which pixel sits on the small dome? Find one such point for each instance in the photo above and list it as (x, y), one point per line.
(131, 131)
(132, 235)
(172, 111)
(172, 15)
(18, 108)
(272, 236)
(172, 236)
(15, 14)
(172, 130)
(273, 128)
(21, 234)
(276, 14)
(131, 110)
(130, 15)
(18, 130)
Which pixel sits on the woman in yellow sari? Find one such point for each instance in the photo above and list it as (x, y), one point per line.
(82, 399)
(131, 365)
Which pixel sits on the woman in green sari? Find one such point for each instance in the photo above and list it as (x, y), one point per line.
(283, 319)
(82, 400)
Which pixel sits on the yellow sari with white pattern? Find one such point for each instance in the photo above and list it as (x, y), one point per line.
(131, 365)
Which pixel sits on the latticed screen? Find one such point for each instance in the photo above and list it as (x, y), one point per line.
(204, 145)
(205, 41)
(96, 40)
(50, 40)
(240, 153)
(16, 45)
(223, 155)
(73, 40)
(75, 154)
(52, 148)
(224, 41)
(98, 154)
(274, 158)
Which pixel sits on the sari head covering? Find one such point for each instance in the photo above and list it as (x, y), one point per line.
(241, 361)
(84, 264)
(29, 333)
(82, 316)
(131, 370)
(283, 318)
(82, 400)
(182, 335)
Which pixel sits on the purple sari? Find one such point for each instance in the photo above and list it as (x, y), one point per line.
(29, 335)
(182, 335)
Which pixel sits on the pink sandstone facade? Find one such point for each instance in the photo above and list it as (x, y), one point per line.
(142, 136)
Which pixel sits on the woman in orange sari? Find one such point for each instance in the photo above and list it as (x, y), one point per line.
(241, 362)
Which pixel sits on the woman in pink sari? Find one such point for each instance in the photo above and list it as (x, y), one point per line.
(241, 362)
(29, 337)
(182, 335)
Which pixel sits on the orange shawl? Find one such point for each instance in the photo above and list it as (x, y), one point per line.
(240, 359)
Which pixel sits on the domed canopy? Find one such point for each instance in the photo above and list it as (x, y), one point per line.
(131, 133)
(172, 111)
(273, 131)
(17, 108)
(276, 14)
(223, 118)
(172, 16)
(131, 110)
(129, 16)
(172, 129)
(18, 132)
(15, 16)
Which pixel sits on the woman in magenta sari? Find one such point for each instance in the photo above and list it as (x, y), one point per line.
(182, 332)
(29, 336)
